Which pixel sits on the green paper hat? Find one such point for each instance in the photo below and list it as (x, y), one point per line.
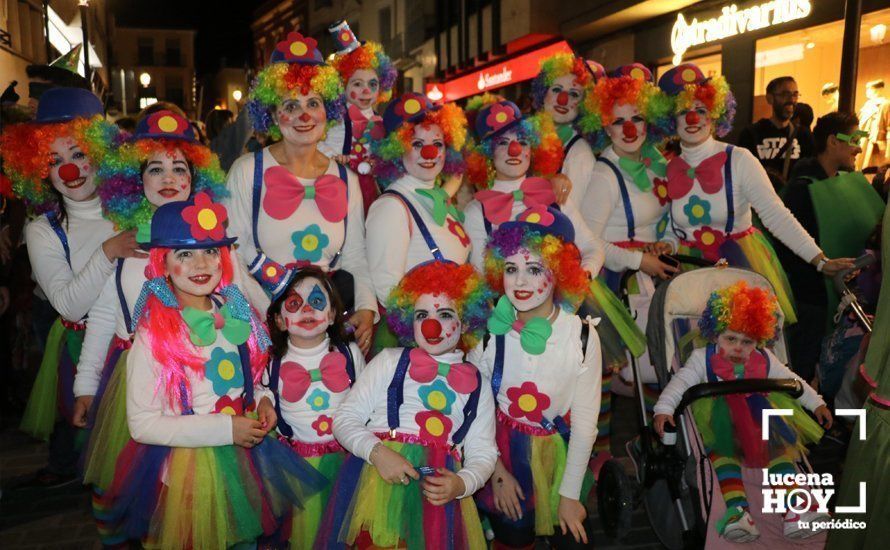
(70, 61)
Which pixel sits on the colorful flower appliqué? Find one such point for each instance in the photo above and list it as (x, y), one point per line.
(227, 405)
(323, 425)
(537, 214)
(526, 401)
(437, 396)
(296, 46)
(660, 190)
(310, 243)
(319, 399)
(167, 123)
(709, 240)
(499, 116)
(458, 231)
(205, 218)
(223, 369)
(662, 226)
(434, 426)
(698, 211)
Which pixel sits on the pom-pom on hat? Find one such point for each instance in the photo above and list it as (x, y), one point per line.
(544, 220)
(65, 104)
(296, 48)
(165, 124)
(634, 70)
(675, 80)
(409, 107)
(496, 118)
(344, 38)
(195, 223)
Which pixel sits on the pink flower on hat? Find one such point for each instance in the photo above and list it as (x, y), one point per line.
(408, 106)
(205, 218)
(297, 46)
(537, 214)
(686, 74)
(499, 116)
(167, 122)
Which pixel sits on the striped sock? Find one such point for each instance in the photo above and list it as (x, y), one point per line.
(729, 475)
(781, 466)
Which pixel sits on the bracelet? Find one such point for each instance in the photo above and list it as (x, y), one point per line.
(373, 449)
(821, 264)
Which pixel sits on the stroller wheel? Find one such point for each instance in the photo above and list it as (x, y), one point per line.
(615, 500)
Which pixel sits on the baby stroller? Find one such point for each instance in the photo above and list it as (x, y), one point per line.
(676, 483)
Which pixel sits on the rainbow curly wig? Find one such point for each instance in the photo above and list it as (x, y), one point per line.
(557, 66)
(281, 81)
(26, 156)
(461, 283)
(561, 258)
(538, 129)
(717, 97)
(653, 104)
(369, 56)
(752, 311)
(387, 153)
(121, 192)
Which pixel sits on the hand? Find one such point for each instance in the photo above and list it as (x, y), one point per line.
(82, 406)
(507, 492)
(266, 413)
(823, 415)
(659, 248)
(652, 266)
(122, 245)
(246, 432)
(392, 466)
(341, 159)
(832, 266)
(571, 515)
(562, 188)
(5, 245)
(4, 299)
(363, 321)
(443, 487)
(659, 420)
(452, 185)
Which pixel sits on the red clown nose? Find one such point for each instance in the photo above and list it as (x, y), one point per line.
(69, 172)
(514, 149)
(305, 117)
(629, 129)
(429, 152)
(562, 98)
(692, 118)
(430, 328)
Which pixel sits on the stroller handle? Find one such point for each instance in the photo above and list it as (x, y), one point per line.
(760, 385)
(839, 280)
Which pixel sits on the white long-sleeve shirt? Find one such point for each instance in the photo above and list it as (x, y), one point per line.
(363, 414)
(151, 418)
(592, 248)
(750, 188)
(395, 244)
(603, 210)
(570, 377)
(695, 371)
(578, 167)
(276, 237)
(72, 290)
(336, 134)
(305, 416)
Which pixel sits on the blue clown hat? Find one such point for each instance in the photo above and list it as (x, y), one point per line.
(165, 124)
(344, 38)
(64, 104)
(496, 118)
(675, 80)
(408, 107)
(297, 48)
(544, 220)
(634, 70)
(195, 223)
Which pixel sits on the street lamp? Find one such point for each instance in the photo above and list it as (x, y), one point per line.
(145, 79)
(237, 95)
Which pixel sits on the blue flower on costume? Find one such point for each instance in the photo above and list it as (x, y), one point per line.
(223, 369)
(319, 399)
(698, 211)
(310, 243)
(437, 396)
(662, 226)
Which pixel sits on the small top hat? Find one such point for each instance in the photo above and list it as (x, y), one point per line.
(65, 104)
(195, 223)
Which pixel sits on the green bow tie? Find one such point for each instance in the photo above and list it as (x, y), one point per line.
(533, 334)
(441, 205)
(655, 159)
(564, 132)
(637, 171)
(203, 325)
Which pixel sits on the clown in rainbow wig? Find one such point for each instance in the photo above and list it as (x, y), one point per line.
(290, 204)
(544, 364)
(559, 90)
(739, 322)
(509, 162)
(368, 76)
(193, 384)
(714, 187)
(419, 422)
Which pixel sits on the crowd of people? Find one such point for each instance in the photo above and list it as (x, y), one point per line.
(355, 318)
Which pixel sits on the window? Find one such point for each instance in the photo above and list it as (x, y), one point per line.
(175, 94)
(173, 55)
(384, 23)
(146, 50)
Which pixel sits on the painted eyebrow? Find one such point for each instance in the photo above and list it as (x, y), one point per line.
(452, 310)
(73, 147)
(177, 161)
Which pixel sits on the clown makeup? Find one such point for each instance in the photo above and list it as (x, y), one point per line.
(437, 327)
(694, 124)
(562, 99)
(425, 157)
(627, 131)
(511, 156)
(528, 283)
(363, 89)
(302, 119)
(306, 313)
(194, 274)
(735, 346)
(70, 171)
(166, 177)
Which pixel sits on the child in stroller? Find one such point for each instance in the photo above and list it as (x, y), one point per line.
(739, 321)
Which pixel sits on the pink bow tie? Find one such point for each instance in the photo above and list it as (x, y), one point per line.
(284, 193)
(755, 367)
(424, 368)
(296, 379)
(498, 205)
(709, 174)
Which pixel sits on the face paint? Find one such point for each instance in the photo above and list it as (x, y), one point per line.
(694, 125)
(437, 328)
(302, 119)
(293, 302)
(318, 299)
(364, 88)
(735, 346)
(628, 129)
(563, 98)
(528, 284)
(70, 171)
(425, 156)
(306, 313)
(194, 272)
(511, 156)
(166, 177)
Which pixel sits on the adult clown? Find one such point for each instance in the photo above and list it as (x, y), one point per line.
(291, 205)
(414, 221)
(368, 76)
(713, 187)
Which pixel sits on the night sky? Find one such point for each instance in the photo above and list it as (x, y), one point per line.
(223, 29)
